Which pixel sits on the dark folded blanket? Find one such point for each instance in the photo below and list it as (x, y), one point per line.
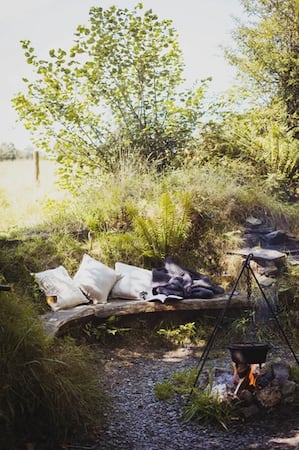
(172, 279)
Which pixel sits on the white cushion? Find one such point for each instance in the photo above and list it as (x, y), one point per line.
(58, 283)
(135, 283)
(95, 279)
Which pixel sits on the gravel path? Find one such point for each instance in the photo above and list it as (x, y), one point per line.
(139, 421)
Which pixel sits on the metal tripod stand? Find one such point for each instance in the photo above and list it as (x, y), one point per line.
(249, 272)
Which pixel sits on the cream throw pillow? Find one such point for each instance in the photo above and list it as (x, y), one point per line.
(58, 283)
(135, 283)
(95, 279)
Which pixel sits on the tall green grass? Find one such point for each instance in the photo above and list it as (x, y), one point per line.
(50, 390)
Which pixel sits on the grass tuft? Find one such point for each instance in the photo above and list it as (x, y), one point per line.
(50, 389)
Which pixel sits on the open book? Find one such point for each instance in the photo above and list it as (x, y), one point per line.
(165, 298)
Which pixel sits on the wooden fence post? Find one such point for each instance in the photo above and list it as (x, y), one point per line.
(37, 171)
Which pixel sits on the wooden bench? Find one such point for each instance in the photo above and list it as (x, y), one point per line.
(56, 322)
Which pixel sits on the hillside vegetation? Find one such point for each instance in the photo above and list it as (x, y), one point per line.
(145, 169)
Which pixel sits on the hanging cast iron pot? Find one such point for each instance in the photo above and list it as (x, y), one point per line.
(249, 353)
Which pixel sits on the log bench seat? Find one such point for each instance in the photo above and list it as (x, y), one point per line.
(56, 322)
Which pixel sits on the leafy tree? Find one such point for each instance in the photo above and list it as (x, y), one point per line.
(267, 54)
(265, 132)
(7, 151)
(256, 138)
(115, 91)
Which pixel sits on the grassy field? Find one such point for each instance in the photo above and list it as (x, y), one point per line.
(22, 196)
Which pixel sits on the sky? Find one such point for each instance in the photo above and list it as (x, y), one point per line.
(203, 27)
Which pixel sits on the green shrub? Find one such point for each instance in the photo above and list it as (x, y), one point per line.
(104, 332)
(183, 334)
(164, 391)
(202, 405)
(207, 408)
(117, 246)
(179, 383)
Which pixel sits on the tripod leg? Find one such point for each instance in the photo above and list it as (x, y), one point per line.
(221, 316)
(274, 316)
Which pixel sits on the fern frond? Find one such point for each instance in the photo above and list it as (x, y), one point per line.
(163, 233)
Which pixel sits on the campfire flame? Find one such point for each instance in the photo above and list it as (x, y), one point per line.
(244, 376)
(251, 375)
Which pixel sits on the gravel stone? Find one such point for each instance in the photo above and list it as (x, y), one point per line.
(138, 421)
